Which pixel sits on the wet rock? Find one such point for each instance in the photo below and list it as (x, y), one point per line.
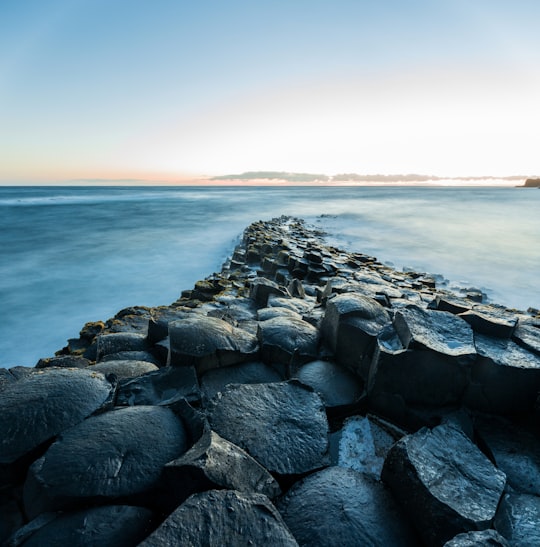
(118, 525)
(261, 288)
(133, 356)
(282, 425)
(223, 518)
(514, 450)
(213, 463)
(41, 405)
(117, 454)
(452, 305)
(160, 387)
(63, 361)
(300, 306)
(440, 332)
(528, 337)
(349, 328)
(417, 377)
(443, 482)
(505, 379)
(6, 378)
(208, 342)
(11, 519)
(283, 338)
(217, 379)
(120, 341)
(363, 444)
(483, 538)
(338, 506)
(123, 368)
(489, 323)
(336, 385)
(518, 519)
(264, 314)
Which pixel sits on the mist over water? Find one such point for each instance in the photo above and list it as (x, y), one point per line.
(72, 255)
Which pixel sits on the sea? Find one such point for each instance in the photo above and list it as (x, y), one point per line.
(69, 255)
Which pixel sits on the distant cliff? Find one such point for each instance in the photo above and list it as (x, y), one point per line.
(532, 183)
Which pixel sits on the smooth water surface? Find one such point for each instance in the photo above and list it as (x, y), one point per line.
(71, 255)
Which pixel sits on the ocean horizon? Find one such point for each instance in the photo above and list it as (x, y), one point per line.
(69, 255)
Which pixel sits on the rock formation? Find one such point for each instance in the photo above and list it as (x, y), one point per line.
(303, 395)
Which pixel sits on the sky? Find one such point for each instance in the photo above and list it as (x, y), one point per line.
(163, 90)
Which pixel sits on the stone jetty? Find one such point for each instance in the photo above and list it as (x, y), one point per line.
(303, 395)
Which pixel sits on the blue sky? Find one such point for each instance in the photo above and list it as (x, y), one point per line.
(163, 89)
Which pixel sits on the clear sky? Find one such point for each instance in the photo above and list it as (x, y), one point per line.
(159, 89)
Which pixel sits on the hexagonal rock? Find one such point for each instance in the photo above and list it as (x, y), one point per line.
(207, 342)
(483, 538)
(120, 341)
(41, 405)
(336, 385)
(518, 519)
(163, 386)
(350, 326)
(123, 368)
(213, 463)
(485, 322)
(223, 518)
(282, 425)
(283, 338)
(261, 288)
(338, 506)
(505, 379)
(417, 377)
(438, 331)
(63, 361)
(116, 454)
(118, 525)
(443, 482)
(528, 337)
(215, 380)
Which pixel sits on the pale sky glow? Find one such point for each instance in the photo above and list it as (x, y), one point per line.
(166, 89)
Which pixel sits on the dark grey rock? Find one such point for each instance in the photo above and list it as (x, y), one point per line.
(484, 322)
(120, 341)
(438, 331)
(282, 425)
(6, 378)
(452, 305)
(420, 376)
(518, 519)
(515, 451)
(133, 356)
(264, 314)
(160, 387)
(261, 288)
(11, 519)
(215, 380)
(483, 538)
(113, 455)
(505, 379)
(336, 385)
(208, 342)
(63, 361)
(443, 482)
(41, 405)
(223, 518)
(213, 463)
(124, 369)
(118, 525)
(338, 506)
(349, 328)
(528, 337)
(283, 338)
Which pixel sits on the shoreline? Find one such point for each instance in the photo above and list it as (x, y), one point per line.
(320, 344)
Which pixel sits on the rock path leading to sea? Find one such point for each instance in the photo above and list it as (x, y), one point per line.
(303, 395)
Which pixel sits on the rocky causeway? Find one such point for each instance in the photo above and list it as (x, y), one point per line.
(303, 395)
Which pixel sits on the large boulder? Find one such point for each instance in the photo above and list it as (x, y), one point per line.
(208, 342)
(41, 405)
(282, 425)
(444, 483)
(338, 506)
(260, 289)
(350, 326)
(505, 379)
(117, 454)
(118, 525)
(120, 341)
(518, 519)
(223, 518)
(213, 463)
(284, 339)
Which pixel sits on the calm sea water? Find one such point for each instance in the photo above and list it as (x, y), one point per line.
(71, 255)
